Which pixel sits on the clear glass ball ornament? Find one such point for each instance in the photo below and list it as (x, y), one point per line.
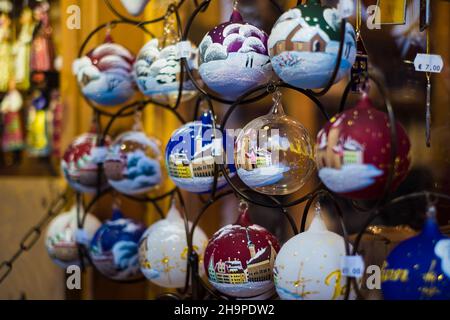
(274, 154)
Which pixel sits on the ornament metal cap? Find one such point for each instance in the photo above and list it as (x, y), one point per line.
(317, 224)
(431, 228)
(244, 218)
(173, 214)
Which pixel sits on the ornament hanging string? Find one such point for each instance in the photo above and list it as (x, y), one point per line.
(428, 97)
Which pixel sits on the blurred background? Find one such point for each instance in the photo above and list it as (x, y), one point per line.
(30, 176)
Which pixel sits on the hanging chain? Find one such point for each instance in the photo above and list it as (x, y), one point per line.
(32, 236)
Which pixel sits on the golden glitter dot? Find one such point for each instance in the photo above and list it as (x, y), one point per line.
(416, 267)
(367, 130)
(350, 123)
(165, 260)
(441, 277)
(371, 117)
(333, 119)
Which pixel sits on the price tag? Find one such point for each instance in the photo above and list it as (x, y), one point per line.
(99, 154)
(442, 250)
(428, 63)
(82, 237)
(346, 8)
(184, 49)
(352, 266)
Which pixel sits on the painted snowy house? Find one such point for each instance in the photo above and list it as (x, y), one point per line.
(353, 152)
(302, 37)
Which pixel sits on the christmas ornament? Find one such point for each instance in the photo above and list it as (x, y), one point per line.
(163, 250)
(417, 268)
(114, 248)
(105, 73)
(6, 58)
(134, 7)
(308, 265)
(38, 144)
(80, 163)
(132, 165)
(234, 57)
(42, 48)
(191, 154)
(60, 239)
(22, 50)
(274, 153)
(158, 69)
(304, 45)
(239, 258)
(12, 137)
(353, 152)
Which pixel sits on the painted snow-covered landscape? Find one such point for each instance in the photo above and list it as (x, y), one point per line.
(105, 74)
(303, 54)
(236, 60)
(350, 177)
(157, 71)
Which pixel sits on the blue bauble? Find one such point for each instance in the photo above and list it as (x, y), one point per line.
(304, 46)
(414, 270)
(189, 156)
(114, 248)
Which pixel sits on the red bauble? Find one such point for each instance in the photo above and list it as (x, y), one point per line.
(239, 259)
(353, 152)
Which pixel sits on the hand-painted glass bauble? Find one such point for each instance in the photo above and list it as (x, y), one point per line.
(419, 268)
(274, 153)
(60, 239)
(191, 154)
(134, 7)
(157, 71)
(234, 57)
(353, 152)
(163, 250)
(80, 163)
(114, 248)
(239, 259)
(105, 74)
(132, 165)
(304, 45)
(308, 266)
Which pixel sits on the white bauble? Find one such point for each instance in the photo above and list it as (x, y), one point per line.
(308, 265)
(163, 251)
(60, 238)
